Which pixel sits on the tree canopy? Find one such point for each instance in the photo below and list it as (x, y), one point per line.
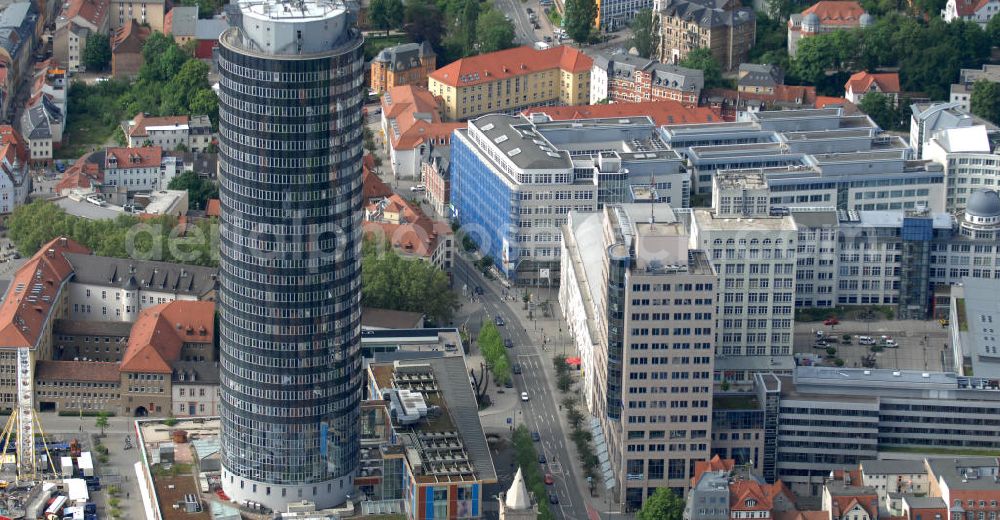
(97, 52)
(199, 190)
(578, 18)
(386, 14)
(884, 111)
(893, 41)
(390, 281)
(702, 59)
(159, 238)
(493, 351)
(422, 21)
(985, 100)
(663, 505)
(643, 33)
(493, 32)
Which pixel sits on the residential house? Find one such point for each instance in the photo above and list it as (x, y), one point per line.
(410, 232)
(968, 485)
(126, 49)
(823, 17)
(626, 78)
(405, 64)
(15, 178)
(725, 27)
(511, 80)
(722, 490)
(135, 169)
(979, 11)
(861, 83)
(194, 133)
(42, 125)
(847, 499)
(732, 103)
(18, 23)
(150, 13)
(961, 92)
(373, 187)
(77, 21)
(411, 124)
(663, 112)
(181, 23)
(759, 79)
(207, 32)
(435, 173)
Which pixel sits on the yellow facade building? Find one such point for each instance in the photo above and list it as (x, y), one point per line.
(511, 80)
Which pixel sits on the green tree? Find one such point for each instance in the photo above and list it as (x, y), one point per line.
(881, 109)
(97, 52)
(703, 60)
(493, 32)
(643, 33)
(102, 421)
(471, 17)
(663, 505)
(205, 102)
(993, 31)
(393, 282)
(386, 14)
(199, 190)
(985, 101)
(423, 22)
(578, 18)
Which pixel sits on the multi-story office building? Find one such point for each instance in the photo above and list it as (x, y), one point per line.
(624, 78)
(927, 119)
(833, 418)
(511, 80)
(640, 304)
(754, 253)
(616, 14)
(969, 160)
(725, 27)
(514, 179)
(290, 270)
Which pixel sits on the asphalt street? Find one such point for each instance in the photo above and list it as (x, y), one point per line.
(541, 413)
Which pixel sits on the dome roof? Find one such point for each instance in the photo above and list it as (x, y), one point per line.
(866, 20)
(984, 203)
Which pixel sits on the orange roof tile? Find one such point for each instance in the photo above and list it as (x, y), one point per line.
(496, 66)
(93, 11)
(417, 234)
(969, 7)
(77, 371)
(374, 187)
(142, 157)
(34, 288)
(160, 332)
(663, 112)
(213, 208)
(763, 495)
(142, 121)
(129, 38)
(860, 82)
(9, 135)
(415, 113)
(837, 12)
(717, 463)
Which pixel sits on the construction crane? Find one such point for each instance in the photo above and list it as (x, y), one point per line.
(23, 422)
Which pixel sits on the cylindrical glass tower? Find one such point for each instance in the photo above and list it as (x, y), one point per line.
(290, 148)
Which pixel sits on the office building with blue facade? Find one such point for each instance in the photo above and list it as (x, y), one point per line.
(515, 179)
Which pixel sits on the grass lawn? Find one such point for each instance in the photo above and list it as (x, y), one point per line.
(375, 44)
(83, 134)
(554, 17)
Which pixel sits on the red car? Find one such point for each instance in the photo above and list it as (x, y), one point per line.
(549, 479)
(831, 321)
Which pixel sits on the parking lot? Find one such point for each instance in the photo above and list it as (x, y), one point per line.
(922, 345)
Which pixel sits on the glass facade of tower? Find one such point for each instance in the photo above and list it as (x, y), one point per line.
(290, 143)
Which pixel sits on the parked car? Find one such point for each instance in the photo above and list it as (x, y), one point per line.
(479, 290)
(866, 340)
(524, 396)
(529, 10)
(553, 498)
(944, 322)
(541, 458)
(499, 321)
(820, 334)
(508, 384)
(418, 188)
(516, 368)
(508, 343)
(536, 437)
(890, 343)
(819, 345)
(831, 321)
(549, 479)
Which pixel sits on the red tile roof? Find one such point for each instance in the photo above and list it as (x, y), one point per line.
(843, 504)
(141, 121)
(969, 7)
(93, 11)
(717, 463)
(860, 82)
(374, 187)
(160, 332)
(82, 174)
(129, 38)
(762, 495)
(415, 112)
(837, 12)
(96, 371)
(417, 234)
(664, 112)
(500, 65)
(213, 208)
(9, 135)
(32, 292)
(142, 157)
